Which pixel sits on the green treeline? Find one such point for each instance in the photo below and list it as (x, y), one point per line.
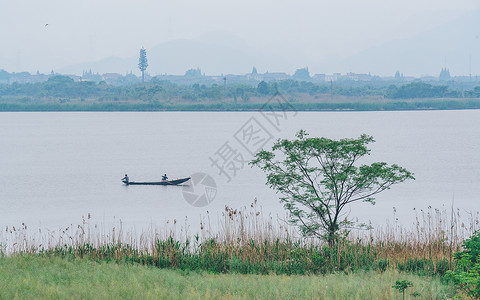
(64, 94)
(425, 90)
(64, 87)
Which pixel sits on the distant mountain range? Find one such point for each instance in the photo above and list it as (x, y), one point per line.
(6, 64)
(215, 53)
(455, 45)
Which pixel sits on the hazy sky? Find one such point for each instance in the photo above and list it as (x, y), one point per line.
(87, 30)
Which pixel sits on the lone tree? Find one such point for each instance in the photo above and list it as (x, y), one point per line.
(142, 62)
(318, 178)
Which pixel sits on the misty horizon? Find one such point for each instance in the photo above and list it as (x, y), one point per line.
(326, 38)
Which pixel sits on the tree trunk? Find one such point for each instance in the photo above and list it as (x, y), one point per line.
(332, 239)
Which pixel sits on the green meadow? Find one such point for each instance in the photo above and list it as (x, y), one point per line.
(248, 257)
(37, 277)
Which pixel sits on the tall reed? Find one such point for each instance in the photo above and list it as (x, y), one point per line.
(248, 241)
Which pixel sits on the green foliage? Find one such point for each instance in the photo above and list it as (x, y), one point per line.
(143, 62)
(424, 266)
(30, 277)
(195, 92)
(143, 103)
(401, 286)
(263, 88)
(442, 266)
(419, 90)
(252, 257)
(4, 75)
(416, 294)
(60, 79)
(473, 93)
(417, 265)
(383, 265)
(318, 178)
(467, 272)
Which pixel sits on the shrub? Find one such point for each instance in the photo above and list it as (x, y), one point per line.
(467, 273)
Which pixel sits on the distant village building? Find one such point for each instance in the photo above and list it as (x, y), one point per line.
(302, 74)
(111, 76)
(444, 75)
(275, 76)
(193, 73)
(319, 77)
(90, 76)
(232, 77)
(22, 77)
(358, 77)
(333, 77)
(196, 76)
(398, 76)
(254, 75)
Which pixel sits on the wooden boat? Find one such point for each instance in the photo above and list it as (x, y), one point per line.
(163, 182)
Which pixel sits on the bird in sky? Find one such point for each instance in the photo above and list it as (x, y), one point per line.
(46, 25)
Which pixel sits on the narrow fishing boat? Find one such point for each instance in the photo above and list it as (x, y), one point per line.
(163, 182)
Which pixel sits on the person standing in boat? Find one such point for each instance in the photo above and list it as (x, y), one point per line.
(164, 177)
(125, 179)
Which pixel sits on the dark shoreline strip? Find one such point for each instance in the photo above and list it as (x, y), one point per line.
(387, 106)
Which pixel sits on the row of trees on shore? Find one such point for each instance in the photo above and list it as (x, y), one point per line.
(157, 90)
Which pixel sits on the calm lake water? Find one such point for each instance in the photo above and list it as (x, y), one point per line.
(58, 167)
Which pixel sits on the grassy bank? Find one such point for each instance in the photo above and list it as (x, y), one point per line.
(344, 105)
(246, 243)
(34, 277)
(266, 257)
(245, 256)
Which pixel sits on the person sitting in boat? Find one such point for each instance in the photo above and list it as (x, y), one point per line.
(164, 177)
(125, 179)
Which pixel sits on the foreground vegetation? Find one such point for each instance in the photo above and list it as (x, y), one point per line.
(33, 277)
(245, 242)
(246, 256)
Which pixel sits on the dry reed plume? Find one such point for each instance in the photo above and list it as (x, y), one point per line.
(245, 240)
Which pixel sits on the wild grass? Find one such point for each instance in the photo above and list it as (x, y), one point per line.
(34, 277)
(246, 242)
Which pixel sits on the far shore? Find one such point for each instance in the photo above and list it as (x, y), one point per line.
(267, 104)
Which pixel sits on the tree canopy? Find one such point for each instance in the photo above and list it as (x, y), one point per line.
(143, 62)
(318, 178)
